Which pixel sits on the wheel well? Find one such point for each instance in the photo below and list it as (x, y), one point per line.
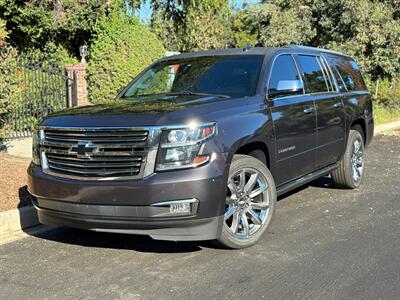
(258, 150)
(361, 123)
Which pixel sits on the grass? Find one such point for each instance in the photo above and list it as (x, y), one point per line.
(384, 114)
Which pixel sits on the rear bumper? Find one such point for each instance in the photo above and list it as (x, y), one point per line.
(131, 206)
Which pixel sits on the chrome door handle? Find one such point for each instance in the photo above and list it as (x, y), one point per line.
(308, 110)
(338, 105)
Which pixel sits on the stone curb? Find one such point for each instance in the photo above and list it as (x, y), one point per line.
(386, 127)
(14, 221)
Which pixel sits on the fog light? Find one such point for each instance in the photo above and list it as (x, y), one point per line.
(179, 208)
(184, 207)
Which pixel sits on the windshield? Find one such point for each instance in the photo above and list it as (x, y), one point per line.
(233, 76)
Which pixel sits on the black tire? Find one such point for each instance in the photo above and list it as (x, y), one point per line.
(343, 176)
(263, 203)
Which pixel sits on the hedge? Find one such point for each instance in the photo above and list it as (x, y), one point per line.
(122, 47)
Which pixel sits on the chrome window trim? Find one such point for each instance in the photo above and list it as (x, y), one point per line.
(272, 68)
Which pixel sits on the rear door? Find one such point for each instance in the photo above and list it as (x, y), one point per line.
(294, 119)
(329, 107)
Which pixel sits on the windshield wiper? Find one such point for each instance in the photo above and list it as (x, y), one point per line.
(196, 94)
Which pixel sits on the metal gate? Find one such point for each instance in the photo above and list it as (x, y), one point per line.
(43, 89)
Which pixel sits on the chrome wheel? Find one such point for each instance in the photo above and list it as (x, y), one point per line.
(357, 160)
(247, 203)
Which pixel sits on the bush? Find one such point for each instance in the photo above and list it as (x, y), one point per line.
(8, 81)
(121, 49)
(388, 94)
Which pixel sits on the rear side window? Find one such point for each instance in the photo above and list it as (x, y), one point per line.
(313, 76)
(348, 71)
(284, 69)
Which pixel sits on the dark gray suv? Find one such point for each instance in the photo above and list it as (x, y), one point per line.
(199, 145)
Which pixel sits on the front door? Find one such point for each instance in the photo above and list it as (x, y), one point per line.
(294, 119)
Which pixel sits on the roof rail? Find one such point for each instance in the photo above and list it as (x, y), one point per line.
(316, 49)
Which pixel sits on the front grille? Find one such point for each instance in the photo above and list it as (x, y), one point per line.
(94, 153)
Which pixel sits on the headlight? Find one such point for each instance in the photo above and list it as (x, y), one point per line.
(180, 147)
(37, 135)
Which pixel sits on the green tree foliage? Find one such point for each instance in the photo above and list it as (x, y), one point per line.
(242, 30)
(366, 29)
(121, 48)
(189, 25)
(8, 80)
(53, 29)
(277, 23)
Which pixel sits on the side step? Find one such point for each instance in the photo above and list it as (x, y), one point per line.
(287, 187)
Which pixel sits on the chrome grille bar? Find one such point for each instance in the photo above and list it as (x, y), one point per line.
(99, 153)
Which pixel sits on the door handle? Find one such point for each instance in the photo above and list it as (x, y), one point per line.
(338, 105)
(308, 110)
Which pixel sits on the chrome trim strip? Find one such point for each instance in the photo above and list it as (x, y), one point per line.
(168, 203)
(194, 205)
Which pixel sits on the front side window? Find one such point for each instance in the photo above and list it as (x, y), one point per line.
(349, 72)
(313, 76)
(233, 76)
(284, 69)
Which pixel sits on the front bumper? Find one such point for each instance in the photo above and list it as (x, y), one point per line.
(130, 206)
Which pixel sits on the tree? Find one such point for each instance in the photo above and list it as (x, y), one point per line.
(368, 30)
(120, 49)
(8, 79)
(188, 25)
(53, 28)
(279, 23)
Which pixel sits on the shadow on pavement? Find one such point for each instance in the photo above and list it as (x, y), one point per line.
(143, 243)
(120, 241)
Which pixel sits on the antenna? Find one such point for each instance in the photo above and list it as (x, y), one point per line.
(247, 47)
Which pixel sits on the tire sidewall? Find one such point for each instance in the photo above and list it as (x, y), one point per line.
(353, 136)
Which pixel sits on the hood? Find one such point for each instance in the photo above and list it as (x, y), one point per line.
(156, 111)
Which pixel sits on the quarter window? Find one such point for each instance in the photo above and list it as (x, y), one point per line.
(284, 69)
(313, 76)
(349, 72)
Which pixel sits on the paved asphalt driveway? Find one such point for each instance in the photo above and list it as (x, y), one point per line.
(324, 243)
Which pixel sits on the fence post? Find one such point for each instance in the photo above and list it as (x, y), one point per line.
(77, 73)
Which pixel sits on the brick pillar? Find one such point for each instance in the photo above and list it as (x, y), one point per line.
(81, 85)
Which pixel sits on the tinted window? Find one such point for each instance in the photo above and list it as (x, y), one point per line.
(339, 80)
(284, 69)
(314, 79)
(349, 72)
(235, 76)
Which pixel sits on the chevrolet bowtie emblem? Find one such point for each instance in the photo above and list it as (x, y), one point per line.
(84, 149)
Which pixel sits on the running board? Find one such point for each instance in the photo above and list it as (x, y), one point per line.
(287, 187)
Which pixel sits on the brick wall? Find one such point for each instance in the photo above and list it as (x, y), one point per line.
(81, 89)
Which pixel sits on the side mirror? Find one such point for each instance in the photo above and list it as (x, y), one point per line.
(287, 88)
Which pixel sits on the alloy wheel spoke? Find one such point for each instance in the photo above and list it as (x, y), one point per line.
(230, 201)
(232, 188)
(242, 180)
(356, 146)
(259, 205)
(258, 191)
(355, 173)
(235, 222)
(229, 212)
(254, 217)
(251, 183)
(245, 224)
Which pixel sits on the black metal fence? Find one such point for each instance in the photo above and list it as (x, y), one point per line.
(42, 89)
